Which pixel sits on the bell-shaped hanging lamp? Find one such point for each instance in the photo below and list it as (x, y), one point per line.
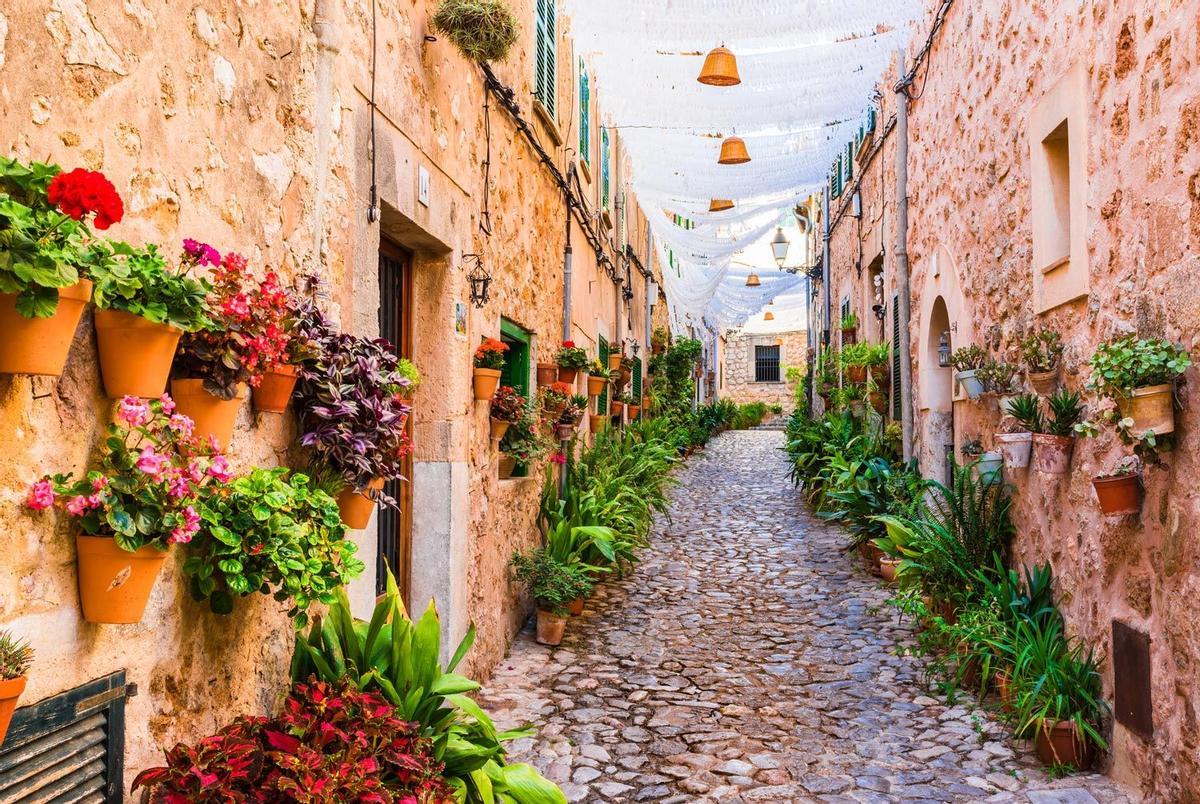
(719, 205)
(752, 280)
(720, 69)
(769, 316)
(733, 152)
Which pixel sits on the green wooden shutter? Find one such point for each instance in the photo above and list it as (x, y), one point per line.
(849, 163)
(604, 169)
(896, 357)
(637, 380)
(515, 372)
(545, 55)
(585, 115)
(602, 401)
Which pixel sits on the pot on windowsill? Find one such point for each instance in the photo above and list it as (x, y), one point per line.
(550, 627)
(1052, 454)
(888, 567)
(971, 385)
(115, 584)
(547, 374)
(567, 375)
(1043, 382)
(356, 506)
(1059, 742)
(1152, 409)
(485, 381)
(274, 390)
(508, 465)
(10, 693)
(135, 353)
(498, 428)
(1015, 448)
(1120, 495)
(211, 415)
(40, 345)
(596, 384)
(576, 607)
(990, 468)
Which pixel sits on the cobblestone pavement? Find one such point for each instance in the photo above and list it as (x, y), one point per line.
(747, 659)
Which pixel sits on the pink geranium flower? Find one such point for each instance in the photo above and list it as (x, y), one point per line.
(219, 470)
(181, 424)
(41, 495)
(168, 404)
(184, 533)
(151, 463)
(78, 506)
(133, 411)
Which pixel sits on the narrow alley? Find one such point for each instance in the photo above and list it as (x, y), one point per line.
(747, 658)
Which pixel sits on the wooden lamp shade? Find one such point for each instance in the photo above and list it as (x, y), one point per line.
(733, 152)
(720, 69)
(719, 205)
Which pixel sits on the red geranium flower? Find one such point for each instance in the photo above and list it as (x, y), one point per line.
(82, 192)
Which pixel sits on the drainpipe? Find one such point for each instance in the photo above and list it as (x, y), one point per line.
(902, 283)
(649, 304)
(566, 320)
(825, 268)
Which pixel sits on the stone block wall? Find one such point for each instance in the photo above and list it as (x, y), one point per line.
(739, 383)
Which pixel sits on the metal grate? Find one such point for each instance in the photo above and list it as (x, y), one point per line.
(391, 328)
(766, 364)
(69, 748)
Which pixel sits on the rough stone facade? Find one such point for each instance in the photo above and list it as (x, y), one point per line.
(250, 127)
(1123, 75)
(739, 383)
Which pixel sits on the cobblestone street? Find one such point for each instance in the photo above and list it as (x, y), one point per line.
(749, 659)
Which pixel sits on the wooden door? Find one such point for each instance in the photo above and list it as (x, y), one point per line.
(395, 325)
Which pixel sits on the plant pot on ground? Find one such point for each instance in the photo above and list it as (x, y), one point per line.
(1139, 374)
(553, 585)
(888, 567)
(1119, 492)
(488, 362)
(15, 658)
(1059, 743)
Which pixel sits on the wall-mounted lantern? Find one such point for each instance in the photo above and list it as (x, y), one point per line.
(479, 279)
(944, 350)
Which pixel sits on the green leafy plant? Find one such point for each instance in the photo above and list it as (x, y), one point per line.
(15, 656)
(849, 321)
(997, 376)
(861, 491)
(598, 368)
(524, 440)
(1124, 364)
(137, 281)
(482, 30)
(1026, 410)
(972, 448)
(1042, 350)
(270, 532)
(968, 358)
(571, 356)
(552, 583)
(1066, 411)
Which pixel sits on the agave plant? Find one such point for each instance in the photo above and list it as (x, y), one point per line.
(400, 659)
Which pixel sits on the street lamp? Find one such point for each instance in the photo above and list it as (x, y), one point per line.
(779, 246)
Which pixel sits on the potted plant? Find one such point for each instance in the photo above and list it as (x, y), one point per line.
(272, 532)
(45, 259)
(614, 361)
(849, 327)
(482, 30)
(15, 658)
(876, 396)
(598, 377)
(142, 499)
(626, 370)
(352, 408)
(997, 376)
(570, 418)
(633, 406)
(507, 405)
(1026, 411)
(1042, 352)
(547, 374)
(1139, 374)
(571, 359)
(967, 361)
(553, 586)
(617, 406)
(1119, 490)
(1052, 446)
(555, 398)
(853, 359)
(597, 422)
(489, 360)
(271, 391)
(658, 340)
(142, 309)
(523, 443)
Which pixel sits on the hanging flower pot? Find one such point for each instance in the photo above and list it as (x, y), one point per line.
(508, 465)
(550, 628)
(135, 354)
(274, 390)
(115, 584)
(547, 374)
(634, 410)
(1044, 382)
(879, 401)
(614, 361)
(1052, 454)
(40, 345)
(970, 384)
(856, 374)
(1059, 742)
(576, 607)
(499, 428)
(617, 408)
(1152, 409)
(1015, 448)
(564, 432)
(10, 692)
(212, 415)
(596, 384)
(646, 403)
(849, 335)
(567, 375)
(596, 422)
(990, 467)
(356, 506)
(485, 381)
(1120, 495)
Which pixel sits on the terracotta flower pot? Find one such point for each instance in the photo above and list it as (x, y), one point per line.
(646, 403)
(212, 415)
(1015, 448)
(550, 628)
(135, 354)
(1043, 382)
(970, 384)
(567, 375)
(633, 411)
(499, 428)
(849, 335)
(10, 691)
(871, 556)
(596, 384)
(1004, 690)
(1059, 742)
(879, 402)
(485, 381)
(355, 507)
(888, 567)
(576, 607)
(1119, 496)
(617, 408)
(596, 422)
(564, 432)
(274, 390)
(856, 374)
(547, 374)
(508, 465)
(1152, 409)
(1052, 454)
(40, 345)
(115, 584)
(614, 362)
(554, 409)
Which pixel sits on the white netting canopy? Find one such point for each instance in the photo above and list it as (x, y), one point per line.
(808, 70)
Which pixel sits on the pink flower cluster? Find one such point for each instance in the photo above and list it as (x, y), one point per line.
(201, 253)
(184, 533)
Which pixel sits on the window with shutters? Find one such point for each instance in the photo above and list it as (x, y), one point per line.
(605, 188)
(766, 364)
(602, 400)
(545, 57)
(585, 114)
(896, 357)
(70, 747)
(637, 380)
(515, 371)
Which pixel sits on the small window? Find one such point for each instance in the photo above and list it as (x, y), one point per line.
(605, 188)
(545, 56)
(766, 364)
(515, 371)
(1056, 151)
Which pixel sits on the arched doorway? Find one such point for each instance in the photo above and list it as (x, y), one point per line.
(937, 394)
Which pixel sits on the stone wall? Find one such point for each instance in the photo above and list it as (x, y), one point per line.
(251, 128)
(738, 364)
(1123, 74)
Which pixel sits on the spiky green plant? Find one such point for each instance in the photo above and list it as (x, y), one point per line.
(15, 656)
(1026, 409)
(482, 30)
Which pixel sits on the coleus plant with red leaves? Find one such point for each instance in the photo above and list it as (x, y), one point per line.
(331, 744)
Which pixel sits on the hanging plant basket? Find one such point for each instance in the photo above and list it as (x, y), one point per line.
(40, 345)
(356, 507)
(482, 30)
(1151, 408)
(1120, 495)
